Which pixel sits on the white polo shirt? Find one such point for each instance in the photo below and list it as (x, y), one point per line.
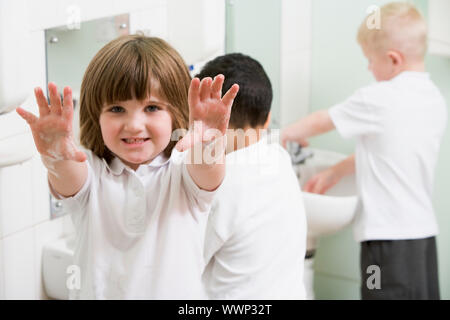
(398, 126)
(139, 233)
(256, 234)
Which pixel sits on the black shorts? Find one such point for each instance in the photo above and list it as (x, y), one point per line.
(399, 269)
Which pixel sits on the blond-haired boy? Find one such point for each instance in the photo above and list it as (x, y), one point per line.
(398, 124)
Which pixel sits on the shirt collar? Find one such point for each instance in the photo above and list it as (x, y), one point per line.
(116, 166)
(420, 74)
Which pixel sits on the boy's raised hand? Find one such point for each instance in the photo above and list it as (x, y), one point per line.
(209, 112)
(52, 131)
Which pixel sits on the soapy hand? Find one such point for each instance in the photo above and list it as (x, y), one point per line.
(209, 113)
(52, 131)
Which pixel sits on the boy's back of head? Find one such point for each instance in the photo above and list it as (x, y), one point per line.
(251, 107)
(401, 28)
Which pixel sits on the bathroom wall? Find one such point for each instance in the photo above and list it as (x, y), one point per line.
(25, 227)
(439, 69)
(279, 37)
(338, 69)
(257, 34)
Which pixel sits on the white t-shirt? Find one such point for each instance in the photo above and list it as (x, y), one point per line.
(139, 233)
(256, 234)
(398, 126)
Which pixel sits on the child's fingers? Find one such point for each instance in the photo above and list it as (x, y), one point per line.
(27, 116)
(55, 99)
(194, 90)
(216, 87)
(319, 188)
(309, 185)
(230, 95)
(205, 88)
(322, 184)
(67, 109)
(42, 102)
(312, 184)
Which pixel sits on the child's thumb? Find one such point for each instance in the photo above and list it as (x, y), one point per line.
(80, 156)
(27, 116)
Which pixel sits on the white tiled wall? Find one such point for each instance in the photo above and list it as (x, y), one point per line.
(439, 27)
(19, 265)
(25, 227)
(16, 198)
(295, 60)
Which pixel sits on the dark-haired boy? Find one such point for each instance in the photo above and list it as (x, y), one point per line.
(256, 234)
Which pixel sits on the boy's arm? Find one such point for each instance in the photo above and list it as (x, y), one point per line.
(52, 134)
(314, 124)
(209, 115)
(326, 179)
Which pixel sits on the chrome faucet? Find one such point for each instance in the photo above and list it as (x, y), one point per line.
(297, 153)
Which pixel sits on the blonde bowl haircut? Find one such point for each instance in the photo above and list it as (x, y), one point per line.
(130, 67)
(402, 29)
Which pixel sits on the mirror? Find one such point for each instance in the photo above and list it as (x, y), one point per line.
(69, 51)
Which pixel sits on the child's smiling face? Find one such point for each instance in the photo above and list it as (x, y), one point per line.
(136, 131)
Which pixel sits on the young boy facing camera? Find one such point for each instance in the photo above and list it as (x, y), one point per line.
(398, 124)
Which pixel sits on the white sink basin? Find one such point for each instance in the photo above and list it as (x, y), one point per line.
(57, 257)
(333, 211)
